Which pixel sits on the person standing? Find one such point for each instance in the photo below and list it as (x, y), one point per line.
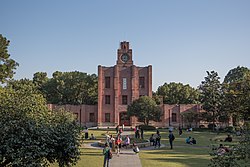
(106, 153)
(180, 131)
(86, 132)
(158, 139)
(141, 133)
(171, 139)
(117, 129)
(123, 127)
(119, 144)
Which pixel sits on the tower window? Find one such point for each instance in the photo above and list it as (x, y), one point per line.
(124, 83)
(107, 99)
(124, 99)
(141, 82)
(107, 82)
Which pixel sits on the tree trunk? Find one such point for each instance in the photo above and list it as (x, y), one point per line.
(213, 121)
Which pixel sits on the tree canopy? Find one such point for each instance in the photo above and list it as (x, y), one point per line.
(68, 87)
(145, 109)
(211, 94)
(39, 135)
(7, 65)
(236, 91)
(178, 93)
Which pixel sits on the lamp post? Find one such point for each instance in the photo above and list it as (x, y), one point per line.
(169, 122)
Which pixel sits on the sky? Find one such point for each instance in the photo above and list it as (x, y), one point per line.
(181, 39)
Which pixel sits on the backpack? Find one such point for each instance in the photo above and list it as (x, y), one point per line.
(173, 137)
(110, 154)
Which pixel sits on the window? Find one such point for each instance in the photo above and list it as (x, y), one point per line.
(107, 82)
(124, 83)
(107, 117)
(91, 117)
(174, 117)
(107, 99)
(141, 82)
(124, 99)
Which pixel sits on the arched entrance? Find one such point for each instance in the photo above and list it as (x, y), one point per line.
(124, 119)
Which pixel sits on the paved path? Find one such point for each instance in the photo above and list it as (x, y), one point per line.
(127, 158)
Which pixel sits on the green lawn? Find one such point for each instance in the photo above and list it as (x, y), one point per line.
(183, 155)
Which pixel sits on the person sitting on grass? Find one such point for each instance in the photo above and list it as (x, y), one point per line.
(193, 141)
(188, 140)
(92, 137)
(135, 148)
(228, 139)
(222, 150)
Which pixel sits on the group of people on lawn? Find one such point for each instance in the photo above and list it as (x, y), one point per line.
(114, 144)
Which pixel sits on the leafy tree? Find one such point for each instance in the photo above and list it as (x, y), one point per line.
(7, 65)
(236, 74)
(191, 116)
(177, 93)
(39, 135)
(145, 109)
(68, 87)
(236, 89)
(211, 94)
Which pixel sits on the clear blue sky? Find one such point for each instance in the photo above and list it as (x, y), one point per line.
(180, 39)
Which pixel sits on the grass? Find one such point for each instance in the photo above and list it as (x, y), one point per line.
(88, 158)
(178, 157)
(183, 155)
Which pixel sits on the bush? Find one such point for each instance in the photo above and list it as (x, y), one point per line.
(229, 129)
(147, 127)
(210, 126)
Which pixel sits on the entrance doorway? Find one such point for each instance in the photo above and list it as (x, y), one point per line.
(124, 119)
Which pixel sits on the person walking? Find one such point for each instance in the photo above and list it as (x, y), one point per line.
(106, 153)
(171, 139)
(119, 144)
(158, 139)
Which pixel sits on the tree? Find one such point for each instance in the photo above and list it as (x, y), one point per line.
(236, 74)
(39, 135)
(68, 87)
(211, 94)
(177, 93)
(236, 89)
(7, 65)
(145, 109)
(191, 116)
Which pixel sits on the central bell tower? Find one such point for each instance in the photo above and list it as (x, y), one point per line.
(124, 55)
(119, 85)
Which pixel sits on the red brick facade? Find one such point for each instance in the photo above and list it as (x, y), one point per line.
(118, 86)
(122, 84)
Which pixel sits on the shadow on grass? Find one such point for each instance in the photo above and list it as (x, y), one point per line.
(185, 161)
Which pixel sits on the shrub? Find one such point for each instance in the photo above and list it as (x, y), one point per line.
(229, 129)
(147, 127)
(210, 126)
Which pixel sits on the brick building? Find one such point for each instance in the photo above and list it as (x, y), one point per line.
(118, 86)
